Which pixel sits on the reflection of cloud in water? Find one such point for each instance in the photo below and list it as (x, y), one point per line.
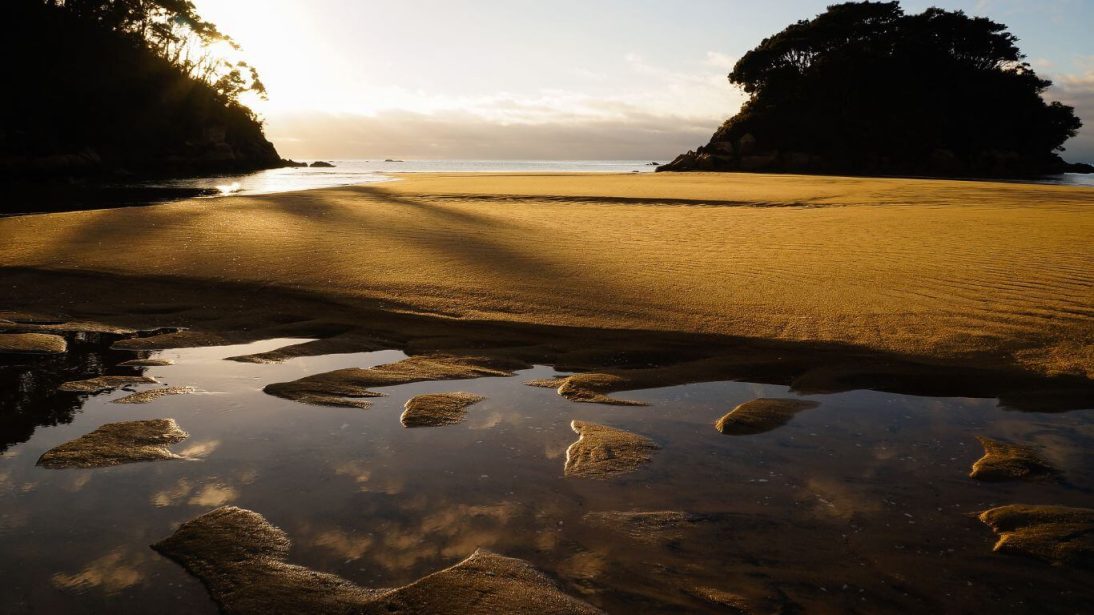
(835, 499)
(348, 546)
(200, 449)
(113, 572)
(495, 418)
(173, 496)
(362, 475)
(587, 565)
(214, 495)
(557, 450)
(79, 481)
(453, 531)
(211, 494)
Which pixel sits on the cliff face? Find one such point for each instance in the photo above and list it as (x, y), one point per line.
(84, 100)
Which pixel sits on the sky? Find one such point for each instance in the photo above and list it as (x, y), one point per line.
(563, 80)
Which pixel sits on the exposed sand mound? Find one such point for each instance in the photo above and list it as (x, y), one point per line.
(32, 343)
(589, 388)
(1058, 534)
(962, 272)
(240, 557)
(733, 602)
(117, 443)
(182, 339)
(31, 318)
(1005, 461)
(761, 415)
(102, 384)
(604, 452)
(435, 409)
(144, 397)
(147, 363)
(77, 326)
(333, 388)
(332, 345)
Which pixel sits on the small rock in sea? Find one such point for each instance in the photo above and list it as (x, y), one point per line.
(436, 409)
(117, 443)
(240, 558)
(1005, 461)
(320, 163)
(103, 384)
(761, 415)
(604, 452)
(32, 343)
(1058, 534)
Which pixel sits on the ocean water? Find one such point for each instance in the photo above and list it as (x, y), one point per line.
(350, 172)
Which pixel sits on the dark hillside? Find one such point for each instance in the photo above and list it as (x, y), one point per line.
(107, 88)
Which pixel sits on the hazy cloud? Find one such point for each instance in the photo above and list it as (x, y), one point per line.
(454, 135)
(1077, 90)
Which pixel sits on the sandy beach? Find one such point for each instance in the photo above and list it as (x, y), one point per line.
(991, 274)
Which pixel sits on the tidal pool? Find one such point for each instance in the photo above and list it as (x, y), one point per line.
(862, 503)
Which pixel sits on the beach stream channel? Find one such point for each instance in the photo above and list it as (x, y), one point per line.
(859, 501)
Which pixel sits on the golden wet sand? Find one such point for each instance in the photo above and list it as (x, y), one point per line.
(991, 273)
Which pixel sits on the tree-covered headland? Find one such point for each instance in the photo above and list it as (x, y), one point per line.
(130, 87)
(865, 88)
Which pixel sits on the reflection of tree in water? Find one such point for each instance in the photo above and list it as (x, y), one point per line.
(28, 384)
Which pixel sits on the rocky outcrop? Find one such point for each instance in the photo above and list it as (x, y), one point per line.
(436, 409)
(31, 343)
(104, 384)
(321, 164)
(1058, 534)
(347, 387)
(240, 557)
(605, 452)
(761, 415)
(1006, 461)
(117, 443)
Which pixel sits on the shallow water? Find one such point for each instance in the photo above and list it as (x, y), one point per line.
(353, 172)
(861, 504)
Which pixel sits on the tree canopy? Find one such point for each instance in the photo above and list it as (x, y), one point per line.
(866, 88)
(142, 85)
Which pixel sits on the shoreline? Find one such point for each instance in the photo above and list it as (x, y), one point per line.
(988, 276)
(147, 192)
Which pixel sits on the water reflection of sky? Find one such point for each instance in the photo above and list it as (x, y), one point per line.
(867, 489)
(351, 172)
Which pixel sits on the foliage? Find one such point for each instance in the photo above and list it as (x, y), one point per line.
(141, 85)
(175, 31)
(865, 87)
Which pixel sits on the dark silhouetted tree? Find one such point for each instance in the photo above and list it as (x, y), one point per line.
(140, 85)
(866, 88)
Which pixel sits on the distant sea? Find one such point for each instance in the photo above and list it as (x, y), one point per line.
(349, 172)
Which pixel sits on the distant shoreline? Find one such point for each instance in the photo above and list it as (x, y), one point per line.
(36, 197)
